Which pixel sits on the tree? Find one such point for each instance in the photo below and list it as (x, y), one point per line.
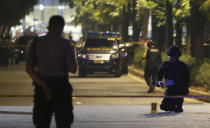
(11, 11)
(106, 14)
(164, 13)
(181, 15)
(158, 9)
(119, 14)
(197, 21)
(146, 14)
(205, 8)
(169, 23)
(113, 14)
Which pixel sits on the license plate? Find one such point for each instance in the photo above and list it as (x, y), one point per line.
(98, 61)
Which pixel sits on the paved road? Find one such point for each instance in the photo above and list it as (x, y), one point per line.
(100, 100)
(117, 116)
(97, 89)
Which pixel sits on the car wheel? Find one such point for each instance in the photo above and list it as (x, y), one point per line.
(117, 72)
(125, 70)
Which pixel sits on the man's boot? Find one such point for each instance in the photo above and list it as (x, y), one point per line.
(151, 89)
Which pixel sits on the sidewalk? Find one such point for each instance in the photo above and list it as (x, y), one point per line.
(115, 117)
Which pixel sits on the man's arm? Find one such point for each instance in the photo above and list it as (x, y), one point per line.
(71, 60)
(32, 73)
(35, 77)
(73, 69)
(160, 76)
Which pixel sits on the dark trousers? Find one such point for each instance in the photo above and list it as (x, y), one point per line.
(60, 105)
(172, 103)
(150, 76)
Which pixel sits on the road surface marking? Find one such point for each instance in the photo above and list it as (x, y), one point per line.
(78, 103)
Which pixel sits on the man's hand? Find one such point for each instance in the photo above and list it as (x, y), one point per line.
(47, 92)
(40, 82)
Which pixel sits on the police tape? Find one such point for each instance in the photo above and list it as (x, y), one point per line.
(194, 97)
(206, 44)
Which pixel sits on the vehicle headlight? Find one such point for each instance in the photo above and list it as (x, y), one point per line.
(83, 56)
(115, 55)
(115, 47)
(21, 51)
(121, 45)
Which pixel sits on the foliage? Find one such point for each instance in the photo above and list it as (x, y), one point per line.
(158, 8)
(138, 60)
(203, 76)
(190, 61)
(182, 9)
(101, 11)
(205, 7)
(11, 11)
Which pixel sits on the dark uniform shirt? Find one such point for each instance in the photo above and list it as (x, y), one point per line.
(179, 73)
(54, 56)
(153, 59)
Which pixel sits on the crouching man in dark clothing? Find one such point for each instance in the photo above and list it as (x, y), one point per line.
(176, 79)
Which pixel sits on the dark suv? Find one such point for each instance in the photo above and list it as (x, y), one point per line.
(100, 55)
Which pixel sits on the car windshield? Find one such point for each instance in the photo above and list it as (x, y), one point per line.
(90, 43)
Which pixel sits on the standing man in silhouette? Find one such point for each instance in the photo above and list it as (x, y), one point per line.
(48, 61)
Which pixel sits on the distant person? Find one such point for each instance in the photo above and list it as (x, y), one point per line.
(72, 42)
(11, 55)
(173, 74)
(48, 61)
(80, 44)
(153, 61)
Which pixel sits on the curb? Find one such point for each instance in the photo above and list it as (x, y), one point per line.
(136, 72)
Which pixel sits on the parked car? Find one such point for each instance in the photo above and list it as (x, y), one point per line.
(100, 55)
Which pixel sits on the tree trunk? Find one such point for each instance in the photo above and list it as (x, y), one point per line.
(197, 31)
(154, 24)
(158, 35)
(135, 22)
(125, 24)
(145, 24)
(179, 33)
(161, 33)
(169, 23)
(187, 38)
